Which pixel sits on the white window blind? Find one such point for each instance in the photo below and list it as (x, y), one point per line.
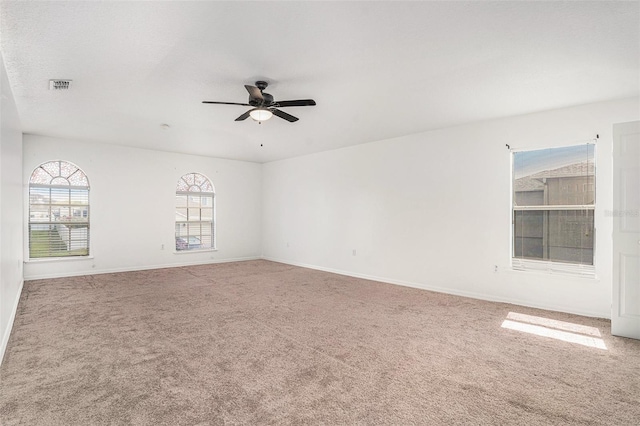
(195, 213)
(586, 271)
(58, 211)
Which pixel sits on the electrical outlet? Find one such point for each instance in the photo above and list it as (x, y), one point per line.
(161, 246)
(495, 268)
(354, 252)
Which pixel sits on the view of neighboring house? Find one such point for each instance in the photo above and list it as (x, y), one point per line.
(558, 222)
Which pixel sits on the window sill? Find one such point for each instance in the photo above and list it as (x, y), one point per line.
(195, 251)
(59, 259)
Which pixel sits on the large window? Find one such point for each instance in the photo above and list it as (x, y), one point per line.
(553, 205)
(194, 213)
(58, 211)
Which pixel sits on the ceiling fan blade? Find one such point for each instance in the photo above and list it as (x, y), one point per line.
(290, 118)
(300, 102)
(244, 116)
(254, 92)
(224, 103)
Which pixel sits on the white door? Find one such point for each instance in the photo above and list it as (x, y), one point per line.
(625, 315)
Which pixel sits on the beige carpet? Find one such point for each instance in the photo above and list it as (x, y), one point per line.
(266, 343)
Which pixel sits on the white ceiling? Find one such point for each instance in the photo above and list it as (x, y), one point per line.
(376, 69)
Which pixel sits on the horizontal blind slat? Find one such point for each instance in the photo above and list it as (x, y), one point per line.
(587, 271)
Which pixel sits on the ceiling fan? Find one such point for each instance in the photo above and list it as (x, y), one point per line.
(263, 104)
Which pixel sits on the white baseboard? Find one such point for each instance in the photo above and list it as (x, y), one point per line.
(137, 268)
(7, 330)
(452, 291)
(423, 286)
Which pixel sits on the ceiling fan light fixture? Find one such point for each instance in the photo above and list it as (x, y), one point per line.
(261, 114)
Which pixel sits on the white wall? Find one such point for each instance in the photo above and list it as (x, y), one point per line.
(432, 210)
(132, 206)
(10, 209)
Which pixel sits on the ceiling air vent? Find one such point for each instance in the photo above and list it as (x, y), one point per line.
(59, 84)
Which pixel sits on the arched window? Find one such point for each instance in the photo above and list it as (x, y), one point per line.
(195, 213)
(58, 211)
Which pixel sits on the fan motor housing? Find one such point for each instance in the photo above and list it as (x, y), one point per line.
(267, 99)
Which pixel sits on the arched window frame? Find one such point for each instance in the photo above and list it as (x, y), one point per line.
(58, 224)
(195, 213)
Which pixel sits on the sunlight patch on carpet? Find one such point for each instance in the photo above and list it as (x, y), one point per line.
(551, 323)
(560, 330)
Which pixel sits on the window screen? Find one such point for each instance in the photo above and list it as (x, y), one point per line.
(553, 204)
